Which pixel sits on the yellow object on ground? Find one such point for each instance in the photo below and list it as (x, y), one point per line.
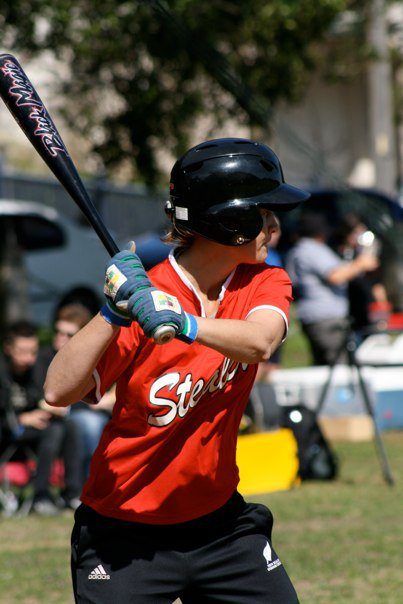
(267, 461)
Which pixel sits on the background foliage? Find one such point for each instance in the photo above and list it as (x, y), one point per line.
(137, 75)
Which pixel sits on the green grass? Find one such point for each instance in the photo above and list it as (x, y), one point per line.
(295, 351)
(34, 560)
(342, 541)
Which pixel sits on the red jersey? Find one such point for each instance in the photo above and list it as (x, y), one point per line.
(168, 453)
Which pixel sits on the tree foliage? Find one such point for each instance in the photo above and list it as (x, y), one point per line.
(141, 73)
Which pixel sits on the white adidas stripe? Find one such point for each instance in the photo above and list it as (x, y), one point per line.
(99, 573)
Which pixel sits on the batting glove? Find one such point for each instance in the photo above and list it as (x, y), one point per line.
(124, 275)
(152, 308)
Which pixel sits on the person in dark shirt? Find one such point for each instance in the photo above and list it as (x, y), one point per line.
(27, 419)
(90, 420)
(366, 291)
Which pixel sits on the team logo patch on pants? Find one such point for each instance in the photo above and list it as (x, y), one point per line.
(268, 556)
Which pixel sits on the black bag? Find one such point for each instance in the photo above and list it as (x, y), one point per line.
(263, 407)
(317, 461)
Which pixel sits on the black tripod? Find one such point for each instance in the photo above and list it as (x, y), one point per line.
(349, 346)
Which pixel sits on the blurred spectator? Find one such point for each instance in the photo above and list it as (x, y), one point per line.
(366, 293)
(45, 429)
(273, 259)
(90, 420)
(320, 279)
(82, 296)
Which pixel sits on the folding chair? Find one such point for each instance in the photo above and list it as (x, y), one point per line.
(18, 462)
(17, 467)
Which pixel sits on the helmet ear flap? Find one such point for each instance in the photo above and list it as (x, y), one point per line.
(234, 223)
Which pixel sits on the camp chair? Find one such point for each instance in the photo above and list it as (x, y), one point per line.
(17, 467)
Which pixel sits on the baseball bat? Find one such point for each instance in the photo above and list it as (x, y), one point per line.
(23, 102)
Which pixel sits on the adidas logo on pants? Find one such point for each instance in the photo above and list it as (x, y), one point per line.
(99, 573)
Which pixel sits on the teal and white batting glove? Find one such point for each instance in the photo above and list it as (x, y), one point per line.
(124, 275)
(130, 295)
(152, 308)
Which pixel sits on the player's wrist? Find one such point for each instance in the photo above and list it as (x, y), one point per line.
(111, 313)
(188, 334)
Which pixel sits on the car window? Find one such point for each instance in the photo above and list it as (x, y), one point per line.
(37, 233)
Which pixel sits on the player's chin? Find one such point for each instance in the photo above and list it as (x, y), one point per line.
(253, 253)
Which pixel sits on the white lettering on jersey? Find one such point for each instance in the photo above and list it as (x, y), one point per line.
(182, 390)
(188, 395)
(170, 380)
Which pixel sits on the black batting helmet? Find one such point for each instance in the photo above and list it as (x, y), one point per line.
(217, 187)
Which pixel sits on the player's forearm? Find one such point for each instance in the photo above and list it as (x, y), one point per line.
(69, 377)
(242, 341)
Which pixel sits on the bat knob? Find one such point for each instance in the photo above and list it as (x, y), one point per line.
(164, 334)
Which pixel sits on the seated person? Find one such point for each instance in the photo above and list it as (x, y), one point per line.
(36, 424)
(90, 420)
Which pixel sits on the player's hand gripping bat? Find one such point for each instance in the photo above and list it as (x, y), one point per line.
(23, 102)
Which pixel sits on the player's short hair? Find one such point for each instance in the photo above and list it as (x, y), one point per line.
(20, 329)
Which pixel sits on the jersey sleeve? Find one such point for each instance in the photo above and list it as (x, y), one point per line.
(273, 292)
(115, 360)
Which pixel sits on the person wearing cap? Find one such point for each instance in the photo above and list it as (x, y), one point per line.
(161, 517)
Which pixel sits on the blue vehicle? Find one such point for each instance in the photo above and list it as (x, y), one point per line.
(382, 214)
(55, 256)
(151, 248)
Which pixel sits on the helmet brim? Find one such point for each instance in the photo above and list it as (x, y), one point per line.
(282, 199)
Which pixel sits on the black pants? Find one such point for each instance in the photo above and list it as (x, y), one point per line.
(326, 339)
(61, 438)
(225, 556)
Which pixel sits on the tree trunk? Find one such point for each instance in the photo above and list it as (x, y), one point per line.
(13, 279)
